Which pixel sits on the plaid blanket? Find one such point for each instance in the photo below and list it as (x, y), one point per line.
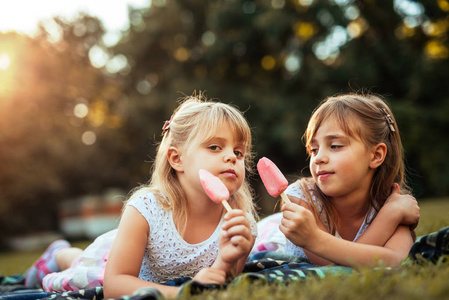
(264, 266)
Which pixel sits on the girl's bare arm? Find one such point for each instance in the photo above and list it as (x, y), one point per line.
(300, 227)
(125, 258)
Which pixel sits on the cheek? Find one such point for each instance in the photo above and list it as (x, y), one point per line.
(311, 164)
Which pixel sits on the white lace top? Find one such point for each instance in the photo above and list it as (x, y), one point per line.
(167, 256)
(295, 190)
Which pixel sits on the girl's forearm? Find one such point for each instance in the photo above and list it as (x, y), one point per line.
(382, 227)
(354, 255)
(122, 285)
(232, 270)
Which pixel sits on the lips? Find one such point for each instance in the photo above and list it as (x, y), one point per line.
(323, 175)
(229, 172)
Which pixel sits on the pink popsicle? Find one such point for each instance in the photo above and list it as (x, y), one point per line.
(214, 188)
(272, 178)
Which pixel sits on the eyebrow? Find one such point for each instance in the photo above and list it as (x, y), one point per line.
(333, 137)
(217, 139)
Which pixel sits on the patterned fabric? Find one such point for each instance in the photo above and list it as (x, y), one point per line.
(431, 247)
(265, 266)
(280, 267)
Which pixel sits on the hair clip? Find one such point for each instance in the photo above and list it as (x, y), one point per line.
(166, 126)
(389, 119)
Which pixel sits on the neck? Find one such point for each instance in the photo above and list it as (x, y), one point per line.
(351, 207)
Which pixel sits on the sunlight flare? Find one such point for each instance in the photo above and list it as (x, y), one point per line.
(4, 61)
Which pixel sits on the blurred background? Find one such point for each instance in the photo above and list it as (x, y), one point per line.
(82, 103)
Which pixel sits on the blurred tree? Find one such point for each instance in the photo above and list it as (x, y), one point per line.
(276, 59)
(81, 115)
(60, 120)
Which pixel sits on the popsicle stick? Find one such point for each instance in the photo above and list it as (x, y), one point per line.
(285, 198)
(226, 205)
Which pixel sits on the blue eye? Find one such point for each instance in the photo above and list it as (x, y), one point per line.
(214, 147)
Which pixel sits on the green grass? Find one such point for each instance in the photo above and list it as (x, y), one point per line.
(12, 263)
(411, 281)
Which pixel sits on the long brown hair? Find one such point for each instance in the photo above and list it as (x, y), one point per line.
(194, 121)
(369, 119)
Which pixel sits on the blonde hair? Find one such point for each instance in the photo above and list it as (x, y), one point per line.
(369, 119)
(194, 121)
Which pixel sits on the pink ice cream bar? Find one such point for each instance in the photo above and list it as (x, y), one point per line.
(273, 179)
(214, 188)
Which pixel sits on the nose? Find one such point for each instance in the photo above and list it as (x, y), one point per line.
(230, 157)
(320, 158)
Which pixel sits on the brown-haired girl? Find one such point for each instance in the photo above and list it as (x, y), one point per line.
(351, 211)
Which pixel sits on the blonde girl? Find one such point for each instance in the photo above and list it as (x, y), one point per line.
(170, 228)
(351, 211)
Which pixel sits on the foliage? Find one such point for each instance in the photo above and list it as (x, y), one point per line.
(277, 59)
(44, 157)
(274, 59)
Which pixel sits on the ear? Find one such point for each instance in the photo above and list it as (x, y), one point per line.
(174, 159)
(379, 152)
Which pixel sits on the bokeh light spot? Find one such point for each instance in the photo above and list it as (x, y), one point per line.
(357, 27)
(278, 4)
(208, 38)
(98, 57)
(117, 64)
(305, 2)
(268, 62)
(143, 87)
(181, 54)
(304, 30)
(443, 5)
(293, 63)
(97, 113)
(80, 110)
(89, 138)
(352, 12)
(437, 50)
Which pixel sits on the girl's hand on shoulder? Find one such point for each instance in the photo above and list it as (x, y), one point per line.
(210, 276)
(298, 225)
(236, 239)
(405, 205)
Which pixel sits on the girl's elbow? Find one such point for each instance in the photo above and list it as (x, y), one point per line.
(396, 258)
(108, 286)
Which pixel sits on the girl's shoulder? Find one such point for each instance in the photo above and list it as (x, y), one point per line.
(302, 189)
(146, 202)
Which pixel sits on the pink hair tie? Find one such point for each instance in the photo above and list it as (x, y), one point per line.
(166, 126)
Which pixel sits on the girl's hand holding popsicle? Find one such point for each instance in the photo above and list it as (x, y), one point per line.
(236, 239)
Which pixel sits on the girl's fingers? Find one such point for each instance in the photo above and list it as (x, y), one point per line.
(240, 220)
(238, 230)
(233, 213)
(396, 189)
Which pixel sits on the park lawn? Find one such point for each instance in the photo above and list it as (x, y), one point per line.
(410, 281)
